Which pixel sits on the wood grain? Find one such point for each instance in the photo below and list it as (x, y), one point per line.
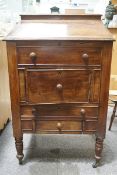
(65, 30)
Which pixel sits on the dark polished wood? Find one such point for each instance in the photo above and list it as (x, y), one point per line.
(19, 148)
(59, 79)
(51, 54)
(60, 17)
(98, 151)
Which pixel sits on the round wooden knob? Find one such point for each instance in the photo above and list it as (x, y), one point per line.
(59, 126)
(59, 86)
(82, 111)
(33, 56)
(85, 56)
(83, 114)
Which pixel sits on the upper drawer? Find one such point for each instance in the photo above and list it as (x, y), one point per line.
(59, 55)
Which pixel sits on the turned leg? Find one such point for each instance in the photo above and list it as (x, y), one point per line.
(113, 116)
(98, 151)
(19, 148)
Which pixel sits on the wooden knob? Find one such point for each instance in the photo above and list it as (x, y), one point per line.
(59, 126)
(85, 57)
(83, 114)
(33, 57)
(32, 54)
(59, 86)
(82, 111)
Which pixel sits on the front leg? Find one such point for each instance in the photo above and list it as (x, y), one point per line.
(19, 148)
(98, 151)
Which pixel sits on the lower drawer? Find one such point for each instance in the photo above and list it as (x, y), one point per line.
(58, 111)
(58, 126)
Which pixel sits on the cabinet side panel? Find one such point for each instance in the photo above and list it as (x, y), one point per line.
(14, 88)
(104, 93)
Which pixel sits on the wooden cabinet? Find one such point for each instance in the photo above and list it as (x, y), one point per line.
(59, 80)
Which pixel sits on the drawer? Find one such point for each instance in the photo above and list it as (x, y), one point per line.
(58, 126)
(51, 126)
(59, 86)
(63, 111)
(59, 55)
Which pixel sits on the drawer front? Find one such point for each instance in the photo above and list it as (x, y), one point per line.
(59, 55)
(66, 86)
(51, 126)
(58, 126)
(59, 119)
(65, 111)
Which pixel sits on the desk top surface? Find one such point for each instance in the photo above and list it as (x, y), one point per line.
(61, 30)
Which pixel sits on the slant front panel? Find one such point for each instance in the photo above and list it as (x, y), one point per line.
(55, 86)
